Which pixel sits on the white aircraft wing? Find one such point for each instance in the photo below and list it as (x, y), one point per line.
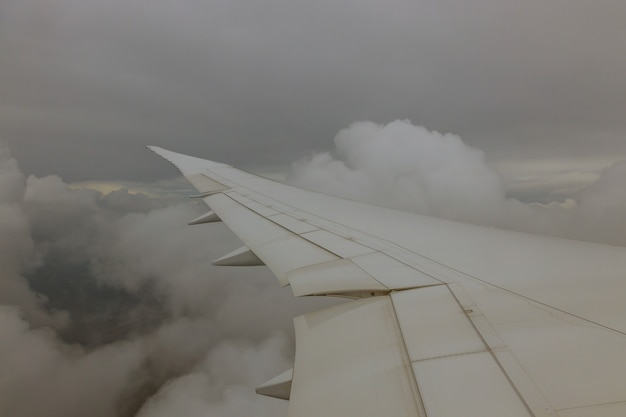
(448, 319)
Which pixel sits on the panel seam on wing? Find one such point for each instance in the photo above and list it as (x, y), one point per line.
(569, 411)
(355, 247)
(268, 218)
(389, 249)
(452, 355)
(470, 309)
(419, 401)
(389, 245)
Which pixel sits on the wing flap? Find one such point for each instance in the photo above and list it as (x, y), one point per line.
(455, 370)
(434, 325)
(551, 356)
(392, 273)
(467, 385)
(350, 361)
(412, 353)
(337, 277)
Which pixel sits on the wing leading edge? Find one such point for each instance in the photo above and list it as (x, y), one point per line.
(449, 319)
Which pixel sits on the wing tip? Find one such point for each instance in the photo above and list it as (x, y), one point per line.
(157, 150)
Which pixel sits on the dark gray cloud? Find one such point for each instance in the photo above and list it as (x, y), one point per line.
(86, 84)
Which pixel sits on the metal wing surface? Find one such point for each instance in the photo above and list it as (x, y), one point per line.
(448, 319)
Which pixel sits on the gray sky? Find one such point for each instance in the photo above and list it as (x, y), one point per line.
(539, 86)
(138, 321)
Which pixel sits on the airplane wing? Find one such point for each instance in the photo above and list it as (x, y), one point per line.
(447, 319)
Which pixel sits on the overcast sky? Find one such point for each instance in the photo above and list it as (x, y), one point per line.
(529, 98)
(537, 85)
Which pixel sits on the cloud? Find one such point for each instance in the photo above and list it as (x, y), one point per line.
(405, 166)
(601, 212)
(219, 385)
(42, 376)
(17, 248)
(109, 300)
